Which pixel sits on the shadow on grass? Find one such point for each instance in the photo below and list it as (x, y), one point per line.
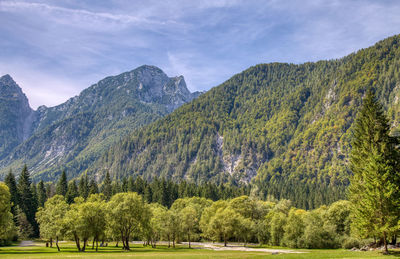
(394, 253)
(12, 250)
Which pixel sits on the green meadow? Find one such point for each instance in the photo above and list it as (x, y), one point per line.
(68, 250)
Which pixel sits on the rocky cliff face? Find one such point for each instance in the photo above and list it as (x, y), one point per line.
(16, 116)
(86, 125)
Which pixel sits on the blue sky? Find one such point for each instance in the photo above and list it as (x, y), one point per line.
(54, 49)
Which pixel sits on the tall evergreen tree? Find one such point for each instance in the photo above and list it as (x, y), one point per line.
(72, 192)
(41, 194)
(84, 187)
(93, 188)
(12, 186)
(62, 185)
(374, 160)
(107, 187)
(27, 200)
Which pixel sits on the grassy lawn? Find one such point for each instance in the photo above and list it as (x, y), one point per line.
(68, 250)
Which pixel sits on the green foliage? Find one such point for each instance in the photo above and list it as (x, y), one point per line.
(50, 218)
(27, 202)
(62, 185)
(288, 125)
(374, 161)
(7, 227)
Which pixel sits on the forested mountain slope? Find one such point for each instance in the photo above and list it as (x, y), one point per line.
(72, 135)
(285, 126)
(15, 116)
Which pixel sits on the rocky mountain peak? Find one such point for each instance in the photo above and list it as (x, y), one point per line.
(9, 88)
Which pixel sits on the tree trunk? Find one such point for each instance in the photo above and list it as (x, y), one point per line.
(84, 244)
(78, 245)
(94, 239)
(123, 243)
(224, 240)
(116, 245)
(394, 240)
(385, 244)
(51, 242)
(97, 244)
(127, 243)
(189, 239)
(58, 248)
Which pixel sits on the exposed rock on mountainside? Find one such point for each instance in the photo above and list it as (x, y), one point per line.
(79, 130)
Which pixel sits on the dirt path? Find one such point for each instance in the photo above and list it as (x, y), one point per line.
(220, 247)
(26, 243)
(232, 247)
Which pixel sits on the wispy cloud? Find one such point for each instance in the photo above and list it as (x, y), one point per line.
(68, 45)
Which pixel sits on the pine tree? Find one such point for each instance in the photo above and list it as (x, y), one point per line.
(62, 185)
(131, 184)
(124, 184)
(72, 192)
(93, 188)
(12, 186)
(41, 194)
(84, 187)
(107, 187)
(373, 160)
(27, 201)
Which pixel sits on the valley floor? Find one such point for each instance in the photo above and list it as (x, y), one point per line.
(28, 249)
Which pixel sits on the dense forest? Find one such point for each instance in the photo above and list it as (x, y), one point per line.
(175, 212)
(286, 128)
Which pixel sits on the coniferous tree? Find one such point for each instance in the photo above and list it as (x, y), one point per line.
(27, 200)
(62, 185)
(72, 192)
(374, 160)
(107, 187)
(93, 188)
(124, 184)
(84, 187)
(131, 184)
(41, 194)
(12, 186)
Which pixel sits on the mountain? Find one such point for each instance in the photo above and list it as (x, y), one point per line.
(285, 127)
(15, 117)
(72, 135)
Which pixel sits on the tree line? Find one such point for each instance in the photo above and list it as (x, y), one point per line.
(26, 197)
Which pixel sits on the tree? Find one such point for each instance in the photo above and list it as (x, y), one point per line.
(374, 161)
(25, 229)
(72, 192)
(93, 188)
(83, 186)
(41, 194)
(62, 185)
(207, 216)
(12, 186)
(93, 214)
(74, 224)
(51, 217)
(190, 221)
(126, 212)
(107, 186)
(7, 227)
(224, 224)
(294, 229)
(26, 198)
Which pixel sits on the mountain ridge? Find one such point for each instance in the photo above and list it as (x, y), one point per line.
(118, 103)
(285, 127)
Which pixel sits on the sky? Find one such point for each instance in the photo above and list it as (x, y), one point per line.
(54, 49)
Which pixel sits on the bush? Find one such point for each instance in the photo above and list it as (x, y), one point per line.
(350, 242)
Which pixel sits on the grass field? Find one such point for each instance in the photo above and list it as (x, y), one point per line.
(68, 250)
